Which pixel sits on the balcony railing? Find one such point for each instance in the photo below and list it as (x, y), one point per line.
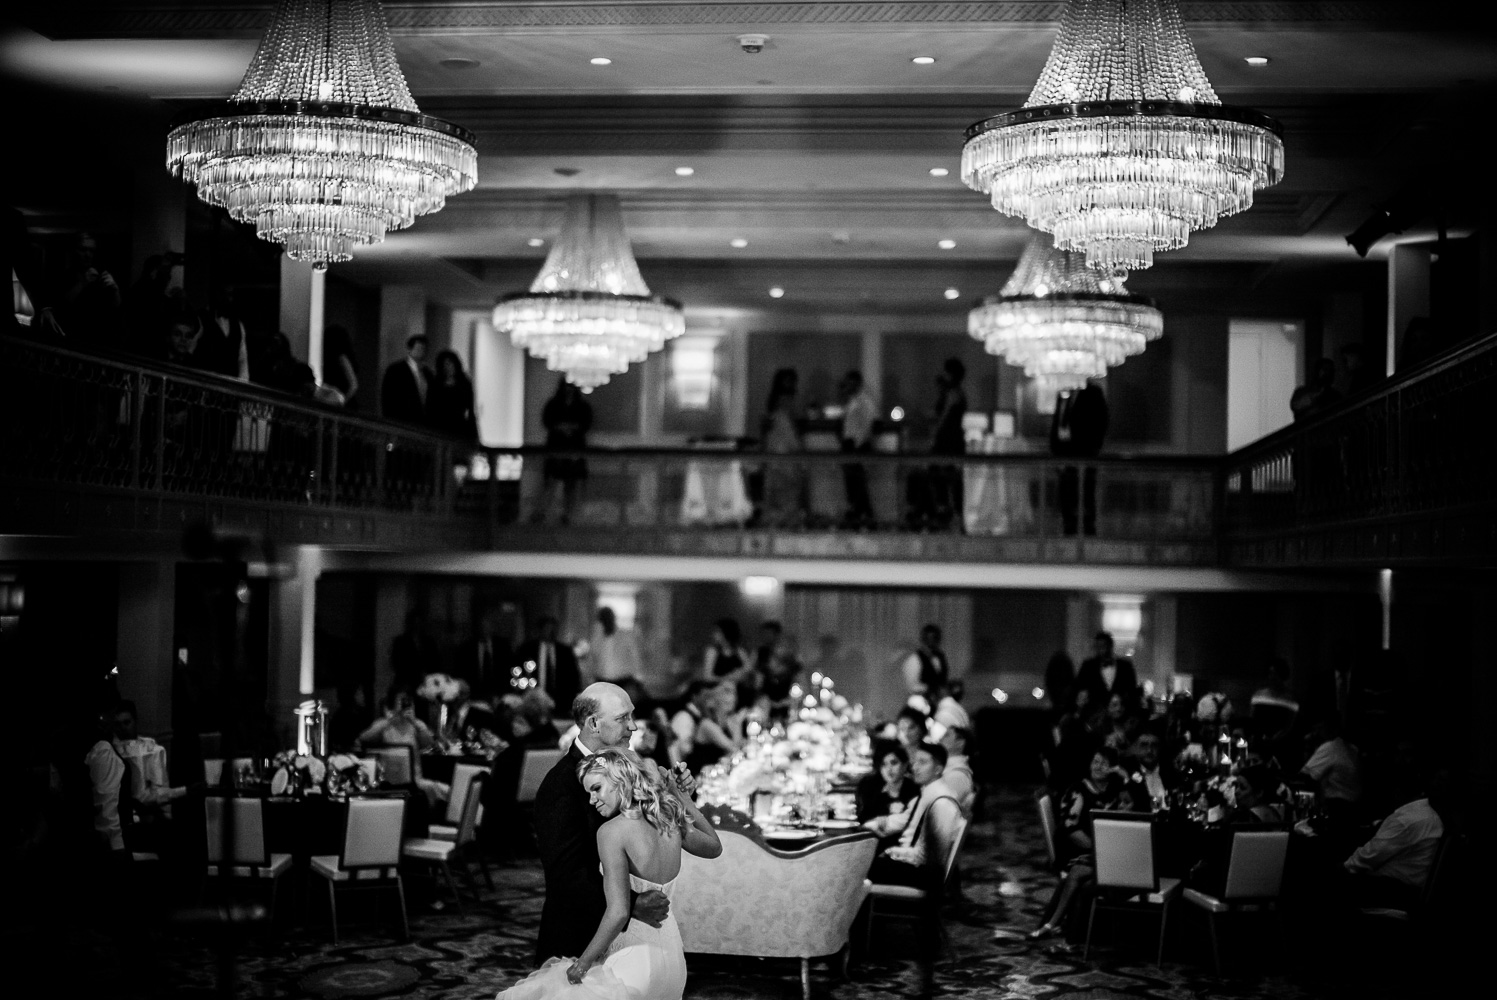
(1402, 472)
(100, 445)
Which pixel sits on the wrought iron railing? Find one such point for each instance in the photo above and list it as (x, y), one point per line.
(1412, 449)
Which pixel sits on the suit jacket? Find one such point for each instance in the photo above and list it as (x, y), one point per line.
(564, 681)
(1125, 682)
(400, 396)
(486, 680)
(1080, 423)
(566, 830)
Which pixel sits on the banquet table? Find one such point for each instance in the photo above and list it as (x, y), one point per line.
(313, 824)
(782, 838)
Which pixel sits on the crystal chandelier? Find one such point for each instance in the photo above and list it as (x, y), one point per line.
(1123, 148)
(1061, 321)
(322, 147)
(589, 314)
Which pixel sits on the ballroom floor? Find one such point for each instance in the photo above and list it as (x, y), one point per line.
(1003, 888)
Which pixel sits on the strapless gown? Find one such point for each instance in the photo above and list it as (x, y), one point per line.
(643, 963)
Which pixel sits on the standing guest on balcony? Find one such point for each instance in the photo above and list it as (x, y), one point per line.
(945, 504)
(1105, 674)
(546, 664)
(1077, 431)
(150, 304)
(406, 384)
(784, 483)
(927, 671)
(1317, 394)
(567, 418)
(449, 401)
(857, 438)
(225, 344)
(1359, 374)
(88, 303)
(339, 364)
(184, 335)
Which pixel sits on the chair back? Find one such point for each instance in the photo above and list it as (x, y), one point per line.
(533, 771)
(213, 771)
(957, 839)
(246, 817)
(1124, 849)
(457, 800)
(472, 811)
(1046, 806)
(399, 763)
(373, 833)
(370, 767)
(1255, 869)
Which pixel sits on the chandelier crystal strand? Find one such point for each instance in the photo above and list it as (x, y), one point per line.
(1123, 148)
(589, 313)
(1061, 321)
(322, 147)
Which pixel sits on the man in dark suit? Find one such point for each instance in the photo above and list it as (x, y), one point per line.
(547, 664)
(403, 392)
(566, 830)
(1105, 675)
(484, 661)
(1080, 424)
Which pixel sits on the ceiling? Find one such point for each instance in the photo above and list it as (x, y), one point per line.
(817, 151)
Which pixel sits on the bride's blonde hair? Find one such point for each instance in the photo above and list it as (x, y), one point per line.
(638, 788)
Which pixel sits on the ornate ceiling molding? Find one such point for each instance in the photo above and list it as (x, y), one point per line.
(145, 20)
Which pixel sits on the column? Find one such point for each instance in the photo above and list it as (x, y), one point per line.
(1163, 613)
(391, 602)
(498, 387)
(303, 292)
(1408, 295)
(290, 672)
(872, 362)
(147, 606)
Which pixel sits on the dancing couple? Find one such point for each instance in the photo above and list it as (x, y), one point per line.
(611, 829)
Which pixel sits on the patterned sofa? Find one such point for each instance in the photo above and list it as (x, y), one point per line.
(755, 900)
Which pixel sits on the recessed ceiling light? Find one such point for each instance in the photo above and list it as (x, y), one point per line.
(939, 171)
(600, 60)
(458, 62)
(923, 60)
(535, 241)
(1256, 60)
(738, 243)
(946, 244)
(952, 293)
(776, 292)
(685, 171)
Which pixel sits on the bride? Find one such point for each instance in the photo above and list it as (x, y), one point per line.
(649, 823)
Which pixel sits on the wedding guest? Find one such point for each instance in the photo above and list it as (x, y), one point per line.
(1254, 792)
(910, 727)
(1274, 707)
(1157, 777)
(727, 659)
(146, 761)
(919, 859)
(398, 726)
(613, 653)
(406, 385)
(1393, 867)
(701, 729)
(1118, 725)
(927, 670)
(1104, 674)
(1099, 790)
(1060, 677)
(784, 482)
(547, 663)
(888, 792)
(949, 711)
(567, 417)
(449, 401)
(943, 504)
(856, 435)
(1335, 767)
(776, 666)
(958, 771)
(1077, 737)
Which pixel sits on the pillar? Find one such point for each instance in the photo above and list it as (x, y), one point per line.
(1163, 613)
(871, 362)
(147, 606)
(303, 293)
(498, 387)
(290, 672)
(1408, 295)
(392, 600)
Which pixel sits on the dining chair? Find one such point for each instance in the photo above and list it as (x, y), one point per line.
(399, 763)
(1045, 804)
(440, 852)
(235, 829)
(457, 800)
(1255, 877)
(1127, 878)
(911, 894)
(533, 771)
(370, 857)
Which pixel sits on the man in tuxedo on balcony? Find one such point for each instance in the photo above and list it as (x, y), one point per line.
(1077, 431)
(403, 392)
(543, 663)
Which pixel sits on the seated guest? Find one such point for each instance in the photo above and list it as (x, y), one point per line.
(400, 727)
(1076, 738)
(106, 776)
(887, 793)
(1099, 790)
(1392, 868)
(1274, 707)
(526, 719)
(949, 711)
(910, 728)
(1157, 777)
(1119, 725)
(146, 760)
(919, 859)
(1254, 793)
(701, 737)
(958, 770)
(1336, 769)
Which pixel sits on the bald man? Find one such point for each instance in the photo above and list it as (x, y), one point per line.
(566, 829)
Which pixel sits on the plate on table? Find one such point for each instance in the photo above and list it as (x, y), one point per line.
(839, 824)
(280, 782)
(791, 835)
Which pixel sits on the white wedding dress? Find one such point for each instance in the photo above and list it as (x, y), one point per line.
(643, 963)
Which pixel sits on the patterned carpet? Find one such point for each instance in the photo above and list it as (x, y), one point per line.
(1003, 887)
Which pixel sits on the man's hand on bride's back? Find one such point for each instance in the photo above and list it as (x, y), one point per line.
(651, 907)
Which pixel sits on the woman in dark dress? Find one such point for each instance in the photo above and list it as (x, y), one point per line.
(887, 792)
(1101, 789)
(567, 418)
(449, 401)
